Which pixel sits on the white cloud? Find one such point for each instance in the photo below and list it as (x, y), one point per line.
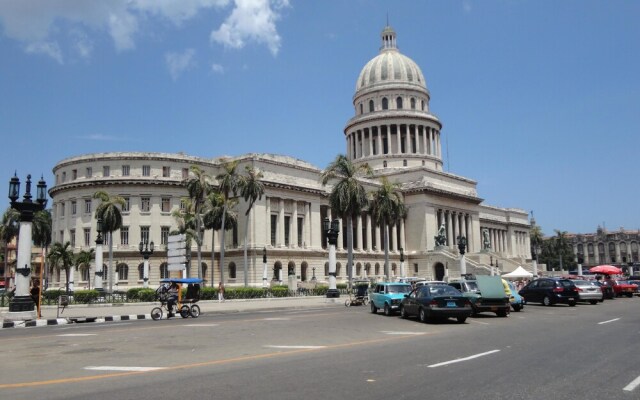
(180, 62)
(81, 43)
(251, 20)
(50, 49)
(217, 68)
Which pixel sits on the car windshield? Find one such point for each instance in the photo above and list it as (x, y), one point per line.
(565, 282)
(443, 290)
(399, 288)
(472, 286)
(579, 282)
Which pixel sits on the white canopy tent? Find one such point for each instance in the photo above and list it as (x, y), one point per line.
(518, 273)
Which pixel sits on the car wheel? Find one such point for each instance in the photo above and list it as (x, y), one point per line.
(593, 301)
(461, 320)
(629, 295)
(374, 309)
(546, 301)
(387, 310)
(422, 315)
(572, 303)
(403, 313)
(517, 307)
(502, 313)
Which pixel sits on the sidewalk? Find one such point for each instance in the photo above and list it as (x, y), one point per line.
(138, 311)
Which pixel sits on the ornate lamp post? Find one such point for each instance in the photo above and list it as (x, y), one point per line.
(99, 274)
(402, 272)
(21, 306)
(536, 254)
(332, 230)
(265, 284)
(146, 249)
(462, 247)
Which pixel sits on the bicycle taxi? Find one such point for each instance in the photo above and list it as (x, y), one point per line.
(186, 306)
(360, 289)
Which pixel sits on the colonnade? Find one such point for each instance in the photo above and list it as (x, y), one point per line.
(457, 223)
(623, 252)
(288, 216)
(368, 237)
(394, 139)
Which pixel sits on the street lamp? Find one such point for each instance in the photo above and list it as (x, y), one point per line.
(146, 249)
(462, 247)
(402, 274)
(264, 268)
(99, 274)
(332, 230)
(22, 306)
(536, 255)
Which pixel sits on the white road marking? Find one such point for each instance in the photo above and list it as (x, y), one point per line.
(634, 384)
(479, 322)
(606, 322)
(401, 333)
(201, 325)
(78, 334)
(463, 359)
(137, 369)
(295, 347)
(277, 319)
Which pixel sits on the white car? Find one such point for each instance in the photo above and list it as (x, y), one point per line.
(588, 291)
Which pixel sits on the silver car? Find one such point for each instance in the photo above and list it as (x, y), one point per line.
(588, 291)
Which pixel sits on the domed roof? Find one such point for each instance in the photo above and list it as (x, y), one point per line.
(390, 67)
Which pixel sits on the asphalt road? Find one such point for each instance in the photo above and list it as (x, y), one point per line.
(560, 352)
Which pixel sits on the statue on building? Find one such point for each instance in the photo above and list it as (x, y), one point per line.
(441, 238)
(486, 242)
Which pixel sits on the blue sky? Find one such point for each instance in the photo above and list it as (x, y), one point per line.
(539, 99)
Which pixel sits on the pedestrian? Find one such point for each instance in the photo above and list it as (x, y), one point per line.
(172, 299)
(220, 292)
(35, 295)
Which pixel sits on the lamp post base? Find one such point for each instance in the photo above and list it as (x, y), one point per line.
(21, 308)
(333, 293)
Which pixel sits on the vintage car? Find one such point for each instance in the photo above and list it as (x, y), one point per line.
(387, 296)
(436, 301)
(623, 288)
(516, 301)
(486, 294)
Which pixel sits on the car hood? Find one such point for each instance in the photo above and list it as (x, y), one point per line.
(491, 287)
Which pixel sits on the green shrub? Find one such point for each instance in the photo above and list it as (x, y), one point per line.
(280, 291)
(52, 295)
(143, 295)
(85, 296)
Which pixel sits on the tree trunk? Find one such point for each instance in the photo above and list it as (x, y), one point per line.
(350, 250)
(111, 271)
(246, 233)
(199, 244)
(222, 235)
(386, 252)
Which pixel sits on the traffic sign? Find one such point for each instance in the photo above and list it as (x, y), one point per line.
(177, 260)
(177, 267)
(176, 252)
(178, 238)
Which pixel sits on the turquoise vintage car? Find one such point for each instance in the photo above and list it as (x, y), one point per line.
(387, 296)
(517, 301)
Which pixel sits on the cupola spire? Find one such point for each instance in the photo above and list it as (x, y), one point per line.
(388, 38)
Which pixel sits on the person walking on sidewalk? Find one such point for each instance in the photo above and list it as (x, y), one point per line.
(220, 292)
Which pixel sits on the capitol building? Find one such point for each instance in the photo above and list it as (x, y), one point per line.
(392, 130)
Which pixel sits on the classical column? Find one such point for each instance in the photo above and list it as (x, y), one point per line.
(293, 234)
(449, 230)
(378, 242)
(267, 225)
(369, 244)
(307, 224)
(358, 243)
(403, 244)
(398, 139)
(379, 138)
(280, 236)
(339, 243)
(393, 244)
(370, 142)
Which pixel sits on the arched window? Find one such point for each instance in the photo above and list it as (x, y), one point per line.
(204, 271)
(338, 266)
(232, 270)
(123, 272)
(422, 105)
(361, 109)
(612, 252)
(84, 273)
(291, 268)
(377, 269)
(413, 103)
(385, 103)
(164, 270)
(326, 269)
(358, 269)
(393, 269)
(399, 103)
(370, 105)
(304, 267)
(140, 271)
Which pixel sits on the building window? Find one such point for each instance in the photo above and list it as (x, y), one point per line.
(415, 268)
(185, 174)
(166, 204)
(422, 105)
(234, 237)
(89, 172)
(404, 163)
(64, 177)
(126, 170)
(146, 170)
(62, 209)
(164, 270)
(183, 205)
(72, 237)
(399, 103)
(413, 103)
(74, 207)
(164, 235)
(232, 270)
(127, 204)
(141, 271)
(74, 174)
(361, 108)
(87, 237)
(371, 108)
(166, 172)
(145, 204)
(300, 230)
(287, 230)
(123, 272)
(274, 228)
(87, 206)
(106, 171)
(385, 103)
(384, 164)
(84, 273)
(124, 235)
(144, 234)
(61, 236)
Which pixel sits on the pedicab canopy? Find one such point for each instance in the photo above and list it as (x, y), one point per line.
(181, 280)
(518, 273)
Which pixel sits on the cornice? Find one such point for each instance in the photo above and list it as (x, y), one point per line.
(392, 114)
(111, 182)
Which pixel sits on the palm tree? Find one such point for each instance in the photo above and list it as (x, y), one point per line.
(386, 208)
(228, 182)
(61, 256)
(8, 230)
(42, 232)
(109, 212)
(561, 244)
(186, 221)
(212, 218)
(84, 258)
(348, 197)
(198, 186)
(251, 189)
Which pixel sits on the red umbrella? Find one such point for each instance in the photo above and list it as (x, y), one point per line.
(606, 269)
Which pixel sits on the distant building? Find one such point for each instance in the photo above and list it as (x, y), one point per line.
(393, 130)
(618, 248)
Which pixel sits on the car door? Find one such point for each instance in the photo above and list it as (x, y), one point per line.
(529, 291)
(410, 302)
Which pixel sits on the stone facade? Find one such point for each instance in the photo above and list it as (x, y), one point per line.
(393, 131)
(619, 248)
